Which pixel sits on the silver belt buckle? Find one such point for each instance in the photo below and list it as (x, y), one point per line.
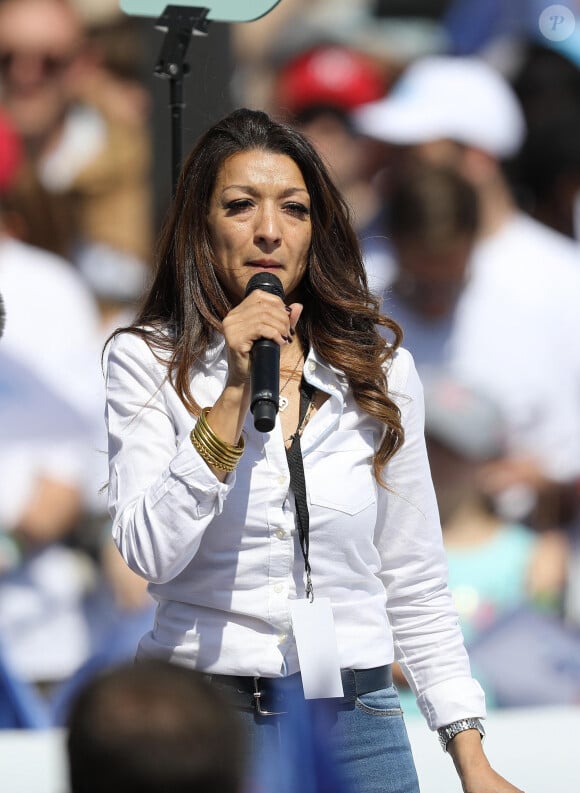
(258, 704)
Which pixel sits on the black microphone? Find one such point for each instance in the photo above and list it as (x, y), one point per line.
(265, 362)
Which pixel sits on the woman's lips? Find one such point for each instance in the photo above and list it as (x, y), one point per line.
(265, 265)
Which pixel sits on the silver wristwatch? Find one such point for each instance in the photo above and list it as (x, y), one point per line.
(451, 730)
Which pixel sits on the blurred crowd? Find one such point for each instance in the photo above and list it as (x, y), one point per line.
(454, 134)
(75, 251)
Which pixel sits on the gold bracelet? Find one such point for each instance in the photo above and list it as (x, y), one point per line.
(213, 444)
(210, 441)
(212, 460)
(210, 457)
(205, 435)
(216, 452)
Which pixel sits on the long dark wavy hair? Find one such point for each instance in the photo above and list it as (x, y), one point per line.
(186, 303)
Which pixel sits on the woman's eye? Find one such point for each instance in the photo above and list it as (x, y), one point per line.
(300, 210)
(238, 205)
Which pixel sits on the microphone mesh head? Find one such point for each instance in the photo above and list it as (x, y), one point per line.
(267, 282)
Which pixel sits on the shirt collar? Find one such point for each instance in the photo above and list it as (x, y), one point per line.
(319, 373)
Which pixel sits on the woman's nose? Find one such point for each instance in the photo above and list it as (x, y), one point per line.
(267, 225)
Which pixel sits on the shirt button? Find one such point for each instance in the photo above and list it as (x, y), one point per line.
(278, 588)
(280, 534)
(282, 637)
(311, 366)
(281, 479)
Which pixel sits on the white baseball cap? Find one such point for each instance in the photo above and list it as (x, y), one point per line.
(448, 97)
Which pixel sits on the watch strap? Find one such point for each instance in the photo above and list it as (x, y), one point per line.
(451, 730)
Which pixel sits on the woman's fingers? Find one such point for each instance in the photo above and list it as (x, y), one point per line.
(259, 316)
(295, 310)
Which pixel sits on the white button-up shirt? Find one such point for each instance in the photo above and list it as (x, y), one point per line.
(223, 558)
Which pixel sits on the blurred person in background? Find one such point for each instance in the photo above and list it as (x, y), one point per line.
(317, 90)
(492, 561)
(261, 48)
(57, 560)
(85, 192)
(548, 170)
(519, 305)
(48, 419)
(546, 173)
(390, 33)
(154, 727)
(509, 583)
(69, 81)
(115, 81)
(433, 228)
(545, 81)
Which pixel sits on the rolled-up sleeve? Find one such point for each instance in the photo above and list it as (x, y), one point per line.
(427, 637)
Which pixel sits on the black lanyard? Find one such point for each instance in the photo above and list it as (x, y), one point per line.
(298, 483)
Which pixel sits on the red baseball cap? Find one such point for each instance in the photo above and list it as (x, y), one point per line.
(329, 75)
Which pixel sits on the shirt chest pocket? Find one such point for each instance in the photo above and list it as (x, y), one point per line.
(339, 474)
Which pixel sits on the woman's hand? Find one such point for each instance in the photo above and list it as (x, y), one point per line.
(475, 772)
(261, 315)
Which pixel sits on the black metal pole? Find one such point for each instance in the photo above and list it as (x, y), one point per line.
(180, 24)
(176, 105)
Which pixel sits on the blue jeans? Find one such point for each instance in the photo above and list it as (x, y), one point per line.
(326, 746)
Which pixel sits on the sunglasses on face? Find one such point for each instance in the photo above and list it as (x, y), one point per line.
(48, 64)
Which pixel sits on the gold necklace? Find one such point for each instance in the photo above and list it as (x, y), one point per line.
(282, 400)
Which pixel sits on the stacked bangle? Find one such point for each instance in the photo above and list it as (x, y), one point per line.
(210, 446)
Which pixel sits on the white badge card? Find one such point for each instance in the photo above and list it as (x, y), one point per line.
(313, 625)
